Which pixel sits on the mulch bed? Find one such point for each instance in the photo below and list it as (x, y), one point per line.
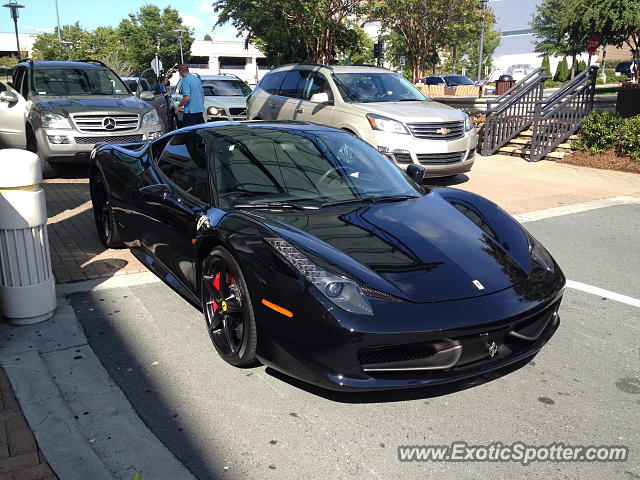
(609, 160)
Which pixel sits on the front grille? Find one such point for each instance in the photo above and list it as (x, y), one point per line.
(403, 157)
(106, 123)
(110, 140)
(455, 354)
(437, 131)
(238, 111)
(440, 158)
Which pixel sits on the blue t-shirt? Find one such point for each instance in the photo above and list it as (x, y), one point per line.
(192, 86)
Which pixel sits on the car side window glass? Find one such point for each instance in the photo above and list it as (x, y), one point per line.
(293, 83)
(184, 163)
(317, 84)
(17, 79)
(271, 83)
(24, 89)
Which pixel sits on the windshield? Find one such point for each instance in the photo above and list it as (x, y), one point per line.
(77, 81)
(305, 168)
(454, 80)
(226, 88)
(377, 87)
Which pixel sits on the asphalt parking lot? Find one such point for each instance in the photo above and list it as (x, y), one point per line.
(222, 422)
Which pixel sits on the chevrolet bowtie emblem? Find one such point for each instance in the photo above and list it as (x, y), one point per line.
(443, 131)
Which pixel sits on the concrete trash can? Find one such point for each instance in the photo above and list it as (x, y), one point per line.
(27, 285)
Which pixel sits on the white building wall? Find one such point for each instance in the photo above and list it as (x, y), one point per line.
(8, 42)
(215, 49)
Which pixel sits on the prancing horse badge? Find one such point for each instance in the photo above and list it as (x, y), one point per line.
(203, 220)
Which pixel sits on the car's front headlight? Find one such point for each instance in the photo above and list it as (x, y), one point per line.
(539, 255)
(53, 120)
(215, 111)
(385, 124)
(345, 293)
(151, 118)
(468, 124)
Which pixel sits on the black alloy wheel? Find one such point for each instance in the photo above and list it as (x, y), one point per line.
(227, 309)
(103, 214)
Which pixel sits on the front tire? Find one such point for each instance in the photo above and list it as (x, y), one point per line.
(227, 308)
(49, 170)
(103, 214)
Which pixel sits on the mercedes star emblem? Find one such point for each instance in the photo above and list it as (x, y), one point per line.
(109, 123)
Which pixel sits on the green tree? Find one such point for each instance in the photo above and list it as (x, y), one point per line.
(562, 72)
(469, 51)
(582, 66)
(48, 47)
(151, 27)
(557, 33)
(295, 31)
(547, 65)
(207, 38)
(425, 25)
(616, 22)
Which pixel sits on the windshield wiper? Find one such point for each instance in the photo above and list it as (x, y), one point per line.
(380, 199)
(275, 205)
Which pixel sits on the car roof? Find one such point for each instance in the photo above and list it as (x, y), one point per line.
(332, 68)
(59, 64)
(218, 77)
(284, 125)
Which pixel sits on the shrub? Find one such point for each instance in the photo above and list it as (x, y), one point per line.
(630, 137)
(562, 72)
(599, 131)
(613, 77)
(581, 67)
(547, 65)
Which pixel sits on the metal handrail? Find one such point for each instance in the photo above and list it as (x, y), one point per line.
(571, 84)
(540, 70)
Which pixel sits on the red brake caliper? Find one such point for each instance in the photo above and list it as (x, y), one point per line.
(216, 285)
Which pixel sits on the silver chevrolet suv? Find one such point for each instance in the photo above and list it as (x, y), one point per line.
(60, 110)
(375, 104)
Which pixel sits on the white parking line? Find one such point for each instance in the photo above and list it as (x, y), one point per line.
(601, 292)
(575, 208)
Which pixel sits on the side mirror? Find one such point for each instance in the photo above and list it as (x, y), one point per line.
(158, 193)
(147, 95)
(322, 97)
(8, 97)
(416, 172)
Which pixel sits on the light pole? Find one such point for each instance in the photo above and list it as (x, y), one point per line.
(67, 45)
(483, 6)
(180, 31)
(14, 6)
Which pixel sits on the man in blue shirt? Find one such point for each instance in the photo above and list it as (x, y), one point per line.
(192, 97)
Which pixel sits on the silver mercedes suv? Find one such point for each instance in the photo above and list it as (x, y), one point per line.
(375, 104)
(60, 110)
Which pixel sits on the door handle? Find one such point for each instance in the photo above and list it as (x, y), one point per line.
(299, 110)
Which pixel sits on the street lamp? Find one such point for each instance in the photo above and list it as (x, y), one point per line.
(67, 45)
(14, 6)
(483, 6)
(180, 31)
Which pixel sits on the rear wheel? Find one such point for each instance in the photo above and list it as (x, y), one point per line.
(103, 214)
(228, 311)
(49, 170)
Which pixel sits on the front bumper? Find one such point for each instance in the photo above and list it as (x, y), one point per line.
(223, 118)
(78, 146)
(439, 157)
(407, 345)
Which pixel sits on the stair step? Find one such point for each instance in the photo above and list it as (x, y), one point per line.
(529, 134)
(521, 151)
(520, 142)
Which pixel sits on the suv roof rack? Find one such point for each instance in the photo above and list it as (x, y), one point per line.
(90, 60)
(365, 65)
(29, 60)
(330, 67)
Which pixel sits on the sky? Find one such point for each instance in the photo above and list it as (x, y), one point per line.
(40, 15)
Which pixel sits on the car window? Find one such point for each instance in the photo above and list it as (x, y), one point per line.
(433, 81)
(17, 79)
(274, 165)
(317, 83)
(293, 83)
(77, 81)
(368, 87)
(227, 88)
(271, 83)
(184, 163)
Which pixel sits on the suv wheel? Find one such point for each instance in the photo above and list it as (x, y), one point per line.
(49, 170)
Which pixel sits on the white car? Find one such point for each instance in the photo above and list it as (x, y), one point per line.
(225, 97)
(375, 104)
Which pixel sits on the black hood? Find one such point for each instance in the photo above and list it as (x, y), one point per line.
(423, 249)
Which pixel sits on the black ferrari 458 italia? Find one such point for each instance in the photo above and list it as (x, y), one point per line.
(309, 251)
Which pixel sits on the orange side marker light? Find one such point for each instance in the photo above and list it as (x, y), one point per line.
(277, 308)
